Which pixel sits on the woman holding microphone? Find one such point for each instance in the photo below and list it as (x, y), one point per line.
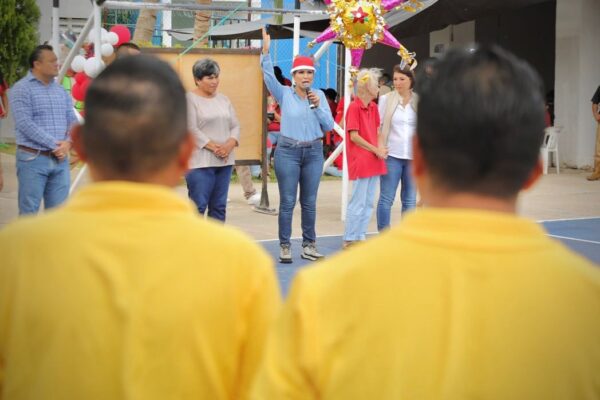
(305, 116)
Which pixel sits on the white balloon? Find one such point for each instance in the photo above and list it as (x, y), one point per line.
(104, 35)
(93, 66)
(107, 50)
(78, 63)
(113, 38)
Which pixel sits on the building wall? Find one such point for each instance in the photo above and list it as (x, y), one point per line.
(577, 77)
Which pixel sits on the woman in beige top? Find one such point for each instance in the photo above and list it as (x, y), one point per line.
(213, 122)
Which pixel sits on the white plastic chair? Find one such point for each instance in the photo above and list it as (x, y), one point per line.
(550, 145)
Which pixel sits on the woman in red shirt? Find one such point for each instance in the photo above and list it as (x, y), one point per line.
(366, 155)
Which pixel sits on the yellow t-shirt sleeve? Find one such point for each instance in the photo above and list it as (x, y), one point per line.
(289, 363)
(261, 309)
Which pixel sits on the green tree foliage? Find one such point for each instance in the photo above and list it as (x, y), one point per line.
(18, 36)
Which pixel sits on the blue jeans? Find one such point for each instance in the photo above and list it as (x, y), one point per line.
(360, 208)
(298, 163)
(41, 177)
(398, 170)
(208, 188)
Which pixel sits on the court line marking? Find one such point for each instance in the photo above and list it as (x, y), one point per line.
(574, 239)
(567, 219)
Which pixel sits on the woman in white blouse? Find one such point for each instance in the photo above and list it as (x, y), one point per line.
(213, 122)
(398, 123)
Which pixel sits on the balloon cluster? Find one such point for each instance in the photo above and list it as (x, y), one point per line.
(359, 24)
(86, 69)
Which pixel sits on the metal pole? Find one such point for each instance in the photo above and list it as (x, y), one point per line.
(296, 35)
(97, 30)
(322, 49)
(76, 47)
(55, 28)
(130, 5)
(167, 23)
(345, 183)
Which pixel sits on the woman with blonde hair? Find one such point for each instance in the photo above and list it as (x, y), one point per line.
(398, 124)
(365, 154)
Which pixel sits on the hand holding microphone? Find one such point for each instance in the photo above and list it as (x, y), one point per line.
(313, 98)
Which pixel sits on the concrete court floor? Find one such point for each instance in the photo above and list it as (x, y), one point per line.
(563, 196)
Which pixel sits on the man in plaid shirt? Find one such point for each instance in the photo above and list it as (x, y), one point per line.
(43, 114)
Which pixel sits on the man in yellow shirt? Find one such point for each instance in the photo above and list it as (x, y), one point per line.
(126, 293)
(464, 299)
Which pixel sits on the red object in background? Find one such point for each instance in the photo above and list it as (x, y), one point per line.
(80, 77)
(122, 32)
(79, 90)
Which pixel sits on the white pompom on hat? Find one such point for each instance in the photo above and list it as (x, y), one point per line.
(303, 62)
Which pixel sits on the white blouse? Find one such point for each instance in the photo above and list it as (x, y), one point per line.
(402, 129)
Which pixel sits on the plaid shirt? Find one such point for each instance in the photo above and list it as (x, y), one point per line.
(43, 114)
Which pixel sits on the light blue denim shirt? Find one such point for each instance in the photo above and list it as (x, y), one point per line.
(298, 121)
(43, 114)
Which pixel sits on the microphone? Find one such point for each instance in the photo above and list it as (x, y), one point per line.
(306, 87)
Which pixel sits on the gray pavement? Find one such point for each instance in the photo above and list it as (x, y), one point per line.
(568, 195)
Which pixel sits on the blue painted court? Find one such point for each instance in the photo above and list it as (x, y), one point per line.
(581, 235)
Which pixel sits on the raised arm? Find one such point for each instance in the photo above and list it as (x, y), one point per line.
(271, 81)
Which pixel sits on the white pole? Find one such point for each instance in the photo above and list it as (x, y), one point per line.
(55, 28)
(345, 182)
(322, 49)
(76, 47)
(296, 35)
(97, 33)
(84, 167)
(167, 23)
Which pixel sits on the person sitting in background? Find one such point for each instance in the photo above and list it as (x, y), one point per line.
(280, 78)
(385, 84)
(464, 299)
(113, 295)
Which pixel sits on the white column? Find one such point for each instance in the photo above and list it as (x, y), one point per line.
(577, 76)
(97, 31)
(345, 180)
(296, 35)
(55, 28)
(167, 18)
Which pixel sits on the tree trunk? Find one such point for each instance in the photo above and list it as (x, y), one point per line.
(144, 27)
(202, 24)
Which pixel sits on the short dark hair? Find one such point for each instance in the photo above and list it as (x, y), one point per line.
(36, 54)
(136, 117)
(406, 71)
(205, 67)
(480, 121)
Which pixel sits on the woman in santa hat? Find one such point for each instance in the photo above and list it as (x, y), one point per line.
(305, 116)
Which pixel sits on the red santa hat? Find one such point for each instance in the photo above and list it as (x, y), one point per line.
(303, 62)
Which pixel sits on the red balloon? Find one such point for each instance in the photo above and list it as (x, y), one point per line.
(80, 77)
(79, 90)
(76, 92)
(122, 32)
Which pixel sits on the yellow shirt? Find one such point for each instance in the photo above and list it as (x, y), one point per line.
(451, 304)
(126, 293)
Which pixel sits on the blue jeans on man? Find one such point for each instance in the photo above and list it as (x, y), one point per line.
(398, 171)
(208, 188)
(41, 177)
(360, 208)
(298, 164)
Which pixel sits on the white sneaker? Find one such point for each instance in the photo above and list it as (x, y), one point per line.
(254, 200)
(285, 254)
(309, 252)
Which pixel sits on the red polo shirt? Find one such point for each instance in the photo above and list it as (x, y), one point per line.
(364, 119)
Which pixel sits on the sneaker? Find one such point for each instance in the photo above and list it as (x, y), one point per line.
(254, 200)
(309, 252)
(285, 254)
